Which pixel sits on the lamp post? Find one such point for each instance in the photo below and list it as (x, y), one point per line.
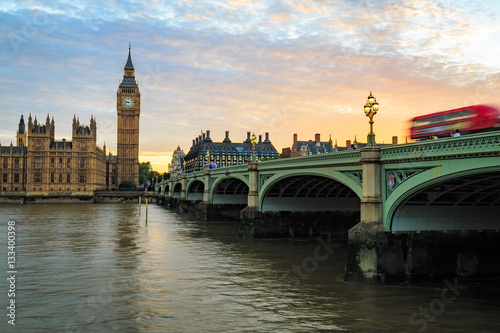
(208, 159)
(253, 147)
(371, 108)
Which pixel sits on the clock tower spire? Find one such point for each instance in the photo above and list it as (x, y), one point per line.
(128, 106)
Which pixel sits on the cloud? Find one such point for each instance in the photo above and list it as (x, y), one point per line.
(283, 67)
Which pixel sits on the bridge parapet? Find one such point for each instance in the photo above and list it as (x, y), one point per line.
(476, 144)
(346, 157)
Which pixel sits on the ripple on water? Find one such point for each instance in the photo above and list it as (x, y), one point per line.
(101, 268)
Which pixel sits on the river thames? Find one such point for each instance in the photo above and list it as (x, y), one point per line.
(102, 268)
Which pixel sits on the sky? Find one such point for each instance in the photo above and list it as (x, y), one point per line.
(283, 67)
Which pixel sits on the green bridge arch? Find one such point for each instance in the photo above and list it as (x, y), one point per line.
(445, 217)
(238, 194)
(419, 167)
(267, 182)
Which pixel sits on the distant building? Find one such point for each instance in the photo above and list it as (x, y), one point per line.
(225, 153)
(285, 152)
(305, 148)
(42, 164)
(175, 168)
(13, 162)
(350, 145)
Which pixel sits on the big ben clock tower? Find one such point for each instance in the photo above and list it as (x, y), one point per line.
(128, 107)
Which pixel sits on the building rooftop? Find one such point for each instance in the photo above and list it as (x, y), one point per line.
(203, 144)
(61, 144)
(14, 149)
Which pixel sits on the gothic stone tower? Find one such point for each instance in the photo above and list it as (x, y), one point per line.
(40, 138)
(85, 165)
(21, 133)
(128, 106)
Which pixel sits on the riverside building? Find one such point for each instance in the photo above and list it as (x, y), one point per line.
(39, 164)
(205, 151)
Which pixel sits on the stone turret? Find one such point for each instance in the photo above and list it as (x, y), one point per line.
(21, 133)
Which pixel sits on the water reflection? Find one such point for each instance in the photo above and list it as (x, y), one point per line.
(101, 268)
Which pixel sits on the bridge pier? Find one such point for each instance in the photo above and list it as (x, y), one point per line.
(206, 189)
(169, 203)
(366, 239)
(192, 209)
(183, 187)
(285, 224)
(204, 211)
(366, 243)
(250, 214)
(426, 256)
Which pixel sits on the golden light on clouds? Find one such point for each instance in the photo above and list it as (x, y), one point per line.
(304, 67)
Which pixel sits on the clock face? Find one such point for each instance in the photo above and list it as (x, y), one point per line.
(128, 102)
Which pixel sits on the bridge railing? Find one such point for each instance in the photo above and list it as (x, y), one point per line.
(230, 169)
(123, 193)
(335, 158)
(445, 147)
(344, 157)
(217, 171)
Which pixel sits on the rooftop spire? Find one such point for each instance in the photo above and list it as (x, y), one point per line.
(128, 73)
(129, 64)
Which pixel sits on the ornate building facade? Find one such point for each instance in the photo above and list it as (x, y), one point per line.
(220, 154)
(177, 166)
(304, 148)
(13, 162)
(39, 164)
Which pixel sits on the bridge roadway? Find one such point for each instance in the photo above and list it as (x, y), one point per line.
(403, 194)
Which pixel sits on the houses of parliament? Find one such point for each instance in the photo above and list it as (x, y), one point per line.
(39, 165)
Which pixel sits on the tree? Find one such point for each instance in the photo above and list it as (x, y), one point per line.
(127, 185)
(144, 172)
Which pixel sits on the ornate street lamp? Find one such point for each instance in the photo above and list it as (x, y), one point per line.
(208, 159)
(371, 108)
(254, 141)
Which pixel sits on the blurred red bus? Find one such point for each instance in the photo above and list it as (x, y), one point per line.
(470, 119)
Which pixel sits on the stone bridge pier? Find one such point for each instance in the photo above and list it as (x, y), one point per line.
(365, 237)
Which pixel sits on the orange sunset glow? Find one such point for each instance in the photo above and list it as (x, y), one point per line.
(281, 67)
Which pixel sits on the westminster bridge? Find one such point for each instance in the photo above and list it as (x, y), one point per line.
(411, 211)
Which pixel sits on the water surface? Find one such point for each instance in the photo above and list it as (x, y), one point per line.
(102, 268)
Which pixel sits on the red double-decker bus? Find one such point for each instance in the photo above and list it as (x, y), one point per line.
(470, 119)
